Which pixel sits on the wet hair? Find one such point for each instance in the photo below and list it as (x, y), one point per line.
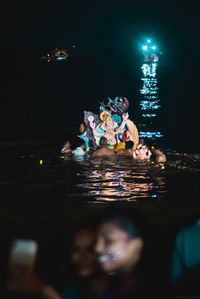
(77, 142)
(103, 141)
(129, 144)
(123, 221)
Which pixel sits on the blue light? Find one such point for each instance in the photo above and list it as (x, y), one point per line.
(150, 134)
(148, 41)
(148, 115)
(144, 48)
(153, 47)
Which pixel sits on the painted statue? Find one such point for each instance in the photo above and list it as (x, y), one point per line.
(113, 123)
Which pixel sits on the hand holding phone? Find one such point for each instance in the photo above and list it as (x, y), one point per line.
(21, 263)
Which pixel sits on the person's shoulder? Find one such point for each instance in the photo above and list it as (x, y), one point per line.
(110, 152)
(71, 291)
(96, 153)
(120, 152)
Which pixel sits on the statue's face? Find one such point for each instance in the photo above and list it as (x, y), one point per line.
(91, 118)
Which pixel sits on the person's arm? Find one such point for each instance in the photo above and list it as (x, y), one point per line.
(33, 284)
(120, 129)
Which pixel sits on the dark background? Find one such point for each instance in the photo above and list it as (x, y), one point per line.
(38, 98)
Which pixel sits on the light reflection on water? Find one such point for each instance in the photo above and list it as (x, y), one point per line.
(149, 101)
(113, 180)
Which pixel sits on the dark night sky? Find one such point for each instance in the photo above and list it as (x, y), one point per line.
(106, 34)
(92, 24)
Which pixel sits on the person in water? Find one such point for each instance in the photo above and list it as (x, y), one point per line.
(103, 150)
(66, 148)
(128, 151)
(80, 147)
(83, 135)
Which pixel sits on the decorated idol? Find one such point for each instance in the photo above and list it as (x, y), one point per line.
(112, 122)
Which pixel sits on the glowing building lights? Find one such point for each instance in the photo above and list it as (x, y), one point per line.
(150, 102)
(150, 134)
(149, 69)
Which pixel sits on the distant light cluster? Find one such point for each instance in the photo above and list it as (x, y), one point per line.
(150, 134)
(149, 105)
(149, 69)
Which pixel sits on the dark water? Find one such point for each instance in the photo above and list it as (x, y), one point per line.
(44, 195)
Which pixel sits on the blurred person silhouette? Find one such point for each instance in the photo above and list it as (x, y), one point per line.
(119, 248)
(185, 260)
(157, 155)
(103, 150)
(89, 280)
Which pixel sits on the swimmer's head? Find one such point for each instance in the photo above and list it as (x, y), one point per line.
(129, 144)
(67, 144)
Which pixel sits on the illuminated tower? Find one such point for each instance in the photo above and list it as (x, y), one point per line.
(149, 93)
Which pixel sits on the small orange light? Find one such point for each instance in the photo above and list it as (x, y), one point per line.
(41, 162)
(163, 167)
(185, 154)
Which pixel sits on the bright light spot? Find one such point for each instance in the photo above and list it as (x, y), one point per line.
(41, 162)
(148, 41)
(144, 47)
(149, 69)
(153, 47)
